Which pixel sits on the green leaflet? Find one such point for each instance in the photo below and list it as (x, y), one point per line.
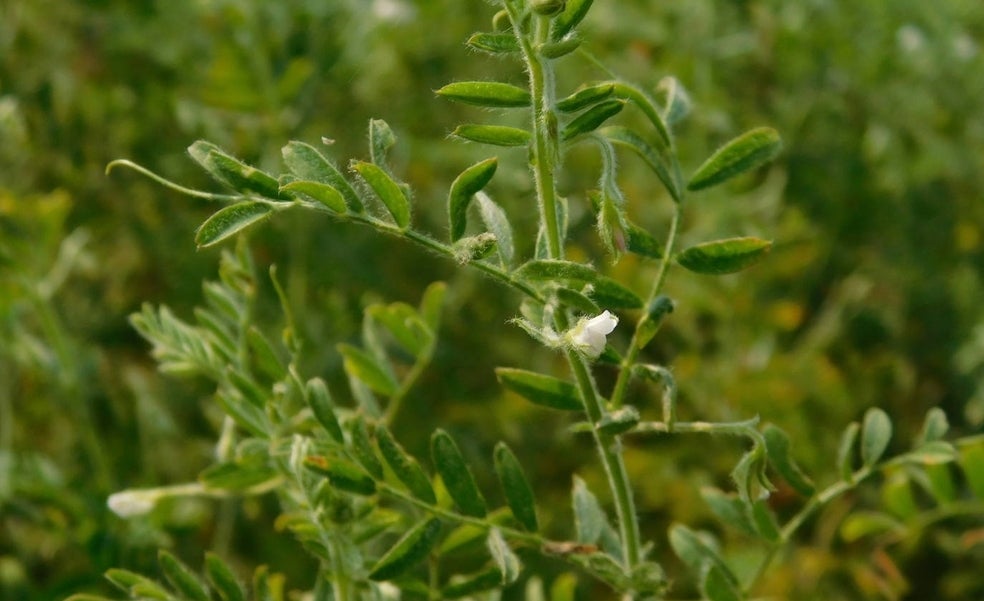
(504, 558)
(267, 587)
(231, 220)
(591, 119)
(676, 103)
(307, 163)
(493, 43)
(717, 585)
(515, 487)
(697, 554)
(540, 389)
(406, 468)
(363, 366)
(456, 476)
(408, 551)
(237, 476)
(381, 140)
(555, 50)
(136, 585)
(342, 475)
(498, 225)
(223, 579)
(489, 578)
(777, 448)
(264, 357)
(589, 518)
(405, 325)
(603, 290)
(574, 13)
(748, 151)
(491, 94)
(432, 303)
(729, 508)
(181, 578)
(362, 447)
(724, 256)
(657, 160)
(331, 198)
(464, 187)
(934, 427)
(235, 174)
(387, 190)
(496, 135)
(648, 108)
(319, 400)
(586, 97)
(876, 431)
(641, 242)
(845, 451)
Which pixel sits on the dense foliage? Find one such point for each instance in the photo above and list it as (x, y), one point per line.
(869, 298)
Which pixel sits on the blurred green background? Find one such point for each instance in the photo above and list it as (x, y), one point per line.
(871, 297)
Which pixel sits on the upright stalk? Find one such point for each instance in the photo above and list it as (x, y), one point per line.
(544, 164)
(545, 148)
(636, 344)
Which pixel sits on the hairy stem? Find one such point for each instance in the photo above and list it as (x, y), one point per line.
(636, 344)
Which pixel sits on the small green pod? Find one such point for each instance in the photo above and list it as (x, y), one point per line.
(406, 468)
(464, 187)
(515, 487)
(458, 479)
(319, 400)
(410, 550)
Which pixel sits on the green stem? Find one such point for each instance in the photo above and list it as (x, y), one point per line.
(545, 151)
(172, 185)
(520, 535)
(396, 401)
(636, 344)
(817, 502)
(609, 449)
(745, 428)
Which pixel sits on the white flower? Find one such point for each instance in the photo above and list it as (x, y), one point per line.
(589, 334)
(139, 501)
(130, 503)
